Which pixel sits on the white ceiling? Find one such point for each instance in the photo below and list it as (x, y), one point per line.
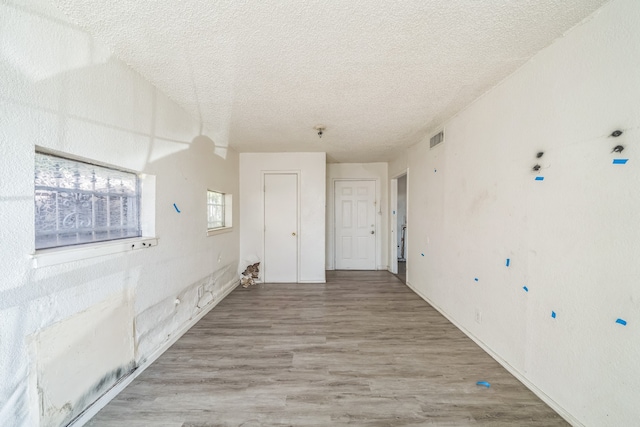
(380, 75)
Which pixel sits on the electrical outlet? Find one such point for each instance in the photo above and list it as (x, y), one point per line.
(478, 316)
(200, 291)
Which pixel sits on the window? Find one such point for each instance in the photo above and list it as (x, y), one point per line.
(77, 202)
(215, 209)
(219, 215)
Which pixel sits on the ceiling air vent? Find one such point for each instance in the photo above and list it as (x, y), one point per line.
(436, 139)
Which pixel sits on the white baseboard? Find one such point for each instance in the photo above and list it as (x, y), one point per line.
(110, 394)
(312, 281)
(513, 371)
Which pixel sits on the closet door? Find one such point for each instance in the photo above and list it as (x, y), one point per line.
(280, 227)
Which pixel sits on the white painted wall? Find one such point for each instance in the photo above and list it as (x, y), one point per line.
(572, 239)
(398, 166)
(312, 169)
(62, 90)
(378, 172)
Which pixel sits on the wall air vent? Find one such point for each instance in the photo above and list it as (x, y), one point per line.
(436, 139)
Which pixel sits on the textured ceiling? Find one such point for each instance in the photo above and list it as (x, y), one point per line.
(380, 75)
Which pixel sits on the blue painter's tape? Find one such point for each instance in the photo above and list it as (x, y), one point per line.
(620, 161)
(525, 289)
(622, 322)
(422, 254)
(177, 210)
(476, 279)
(553, 314)
(508, 262)
(484, 383)
(539, 178)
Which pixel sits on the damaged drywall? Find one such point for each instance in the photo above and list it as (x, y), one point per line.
(67, 330)
(156, 324)
(79, 358)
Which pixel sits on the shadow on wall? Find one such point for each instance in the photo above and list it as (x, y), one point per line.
(65, 92)
(59, 73)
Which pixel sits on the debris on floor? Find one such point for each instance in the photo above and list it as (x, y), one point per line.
(250, 275)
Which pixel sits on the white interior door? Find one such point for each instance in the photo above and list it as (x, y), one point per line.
(281, 228)
(355, 228)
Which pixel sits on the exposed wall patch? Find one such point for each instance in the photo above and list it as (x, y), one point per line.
(81, 357)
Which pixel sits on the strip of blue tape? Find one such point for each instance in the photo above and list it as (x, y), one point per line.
(508, 262)
(484, 383)
(476, 279)
(620, 161)
(422, 254)
(622, 322)
(539, 178)
(553, 314)
(525, 289)
(177, 210)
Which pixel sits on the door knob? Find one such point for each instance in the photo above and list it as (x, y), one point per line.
(293, 234)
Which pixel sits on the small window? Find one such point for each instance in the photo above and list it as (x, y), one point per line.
(77, 202)
(219, 212)
(215, 209)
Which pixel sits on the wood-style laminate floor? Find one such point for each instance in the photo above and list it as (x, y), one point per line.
(362, 350)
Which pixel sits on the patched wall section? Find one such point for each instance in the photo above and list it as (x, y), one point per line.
(78, 359)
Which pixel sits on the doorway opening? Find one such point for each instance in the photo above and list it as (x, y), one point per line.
(399, 223)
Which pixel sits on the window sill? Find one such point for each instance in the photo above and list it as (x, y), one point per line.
(54, 256)
(214, 231)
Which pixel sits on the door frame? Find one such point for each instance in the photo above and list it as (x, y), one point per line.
(378, 239)
(393, 229)
(264, 222)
